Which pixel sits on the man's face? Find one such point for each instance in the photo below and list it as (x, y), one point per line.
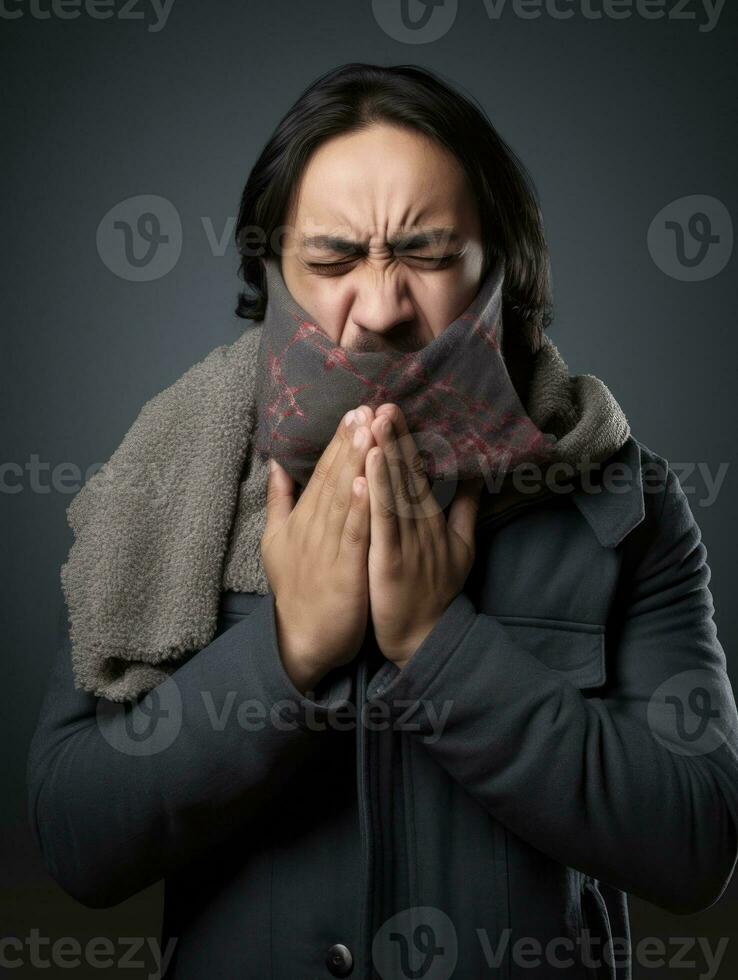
(383, 246)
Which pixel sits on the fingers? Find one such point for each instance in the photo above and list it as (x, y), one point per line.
(355, 534)
(409, 479)
(385, 436)
(349, 464)
(385, 532)
(335, 489)
(311, 493)
(280, 498)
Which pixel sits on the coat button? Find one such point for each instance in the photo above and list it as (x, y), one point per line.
(339, 960)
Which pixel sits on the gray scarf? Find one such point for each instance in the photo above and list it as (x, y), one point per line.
(460, 405)
(177, 513)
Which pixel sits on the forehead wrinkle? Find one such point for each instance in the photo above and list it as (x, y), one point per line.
(369, 221)
(420, 237)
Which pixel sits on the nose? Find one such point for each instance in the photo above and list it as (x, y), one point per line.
(382, 316)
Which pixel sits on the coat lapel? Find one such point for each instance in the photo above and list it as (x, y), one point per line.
(618, 506)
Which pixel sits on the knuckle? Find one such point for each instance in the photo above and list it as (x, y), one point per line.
(328, 487)
(321, 468)
(417, 464)
(404, 485)
(339, 504)
(353, 533)
(393, 565)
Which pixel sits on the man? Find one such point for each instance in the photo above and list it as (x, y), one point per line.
(385, 296)
(482, 734)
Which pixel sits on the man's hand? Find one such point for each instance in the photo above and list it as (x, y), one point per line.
(418, 560)
(315, 556)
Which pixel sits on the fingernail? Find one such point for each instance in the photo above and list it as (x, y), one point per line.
(360, 415)
(359, 437)
(349, 417)
(272, 465)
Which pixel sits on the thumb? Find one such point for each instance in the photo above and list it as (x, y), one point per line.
(280, 499)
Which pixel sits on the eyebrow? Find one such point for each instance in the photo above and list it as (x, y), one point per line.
(403, 240)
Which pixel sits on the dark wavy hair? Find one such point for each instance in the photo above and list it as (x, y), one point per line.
(353, 97)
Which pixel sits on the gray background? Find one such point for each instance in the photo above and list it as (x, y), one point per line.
(615, 119)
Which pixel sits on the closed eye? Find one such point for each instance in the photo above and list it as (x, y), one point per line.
(431, 261)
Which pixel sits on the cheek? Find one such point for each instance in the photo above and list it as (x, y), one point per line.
(328, 308)
(444, 299)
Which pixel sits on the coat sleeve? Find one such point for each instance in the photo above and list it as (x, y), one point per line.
(614, 785)
(120, 795)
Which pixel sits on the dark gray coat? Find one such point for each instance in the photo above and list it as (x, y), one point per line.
(522, 775)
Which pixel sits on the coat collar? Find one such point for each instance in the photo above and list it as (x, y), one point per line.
(611, 509)
(618, 506)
